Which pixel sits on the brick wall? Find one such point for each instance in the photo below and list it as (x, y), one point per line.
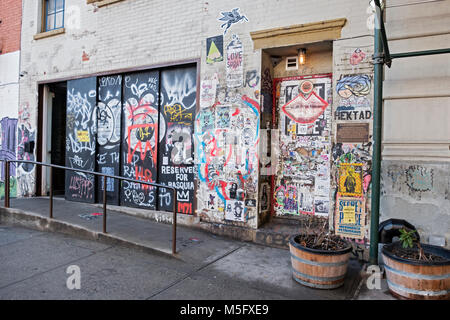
(10, 16)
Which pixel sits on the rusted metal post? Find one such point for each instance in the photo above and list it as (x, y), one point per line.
(174, 225)
(6, 184)
(51, 193)
(104, 204)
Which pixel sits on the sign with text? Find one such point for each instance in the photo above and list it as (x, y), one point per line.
(350, 217)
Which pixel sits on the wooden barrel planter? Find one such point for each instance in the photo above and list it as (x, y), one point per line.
(321, 269)
(412, 279)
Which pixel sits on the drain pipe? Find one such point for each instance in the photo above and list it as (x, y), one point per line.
(378, 60)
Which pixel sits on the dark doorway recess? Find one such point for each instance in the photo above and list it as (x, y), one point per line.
(58, 134)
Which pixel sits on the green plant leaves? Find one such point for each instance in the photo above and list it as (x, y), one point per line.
(407, 238)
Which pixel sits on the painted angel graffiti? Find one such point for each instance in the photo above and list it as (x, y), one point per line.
(231, 17)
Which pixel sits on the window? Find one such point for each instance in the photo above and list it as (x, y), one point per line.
(54, 14)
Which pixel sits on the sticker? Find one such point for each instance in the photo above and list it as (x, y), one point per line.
(234, 66)
(83, 136)
(350, 179)
(234, 210)
(214, 49)
(250, 203)
(303, 109)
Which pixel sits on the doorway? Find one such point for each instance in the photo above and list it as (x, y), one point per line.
(56, 133)
(299, 96)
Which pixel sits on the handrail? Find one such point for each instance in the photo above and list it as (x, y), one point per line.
(51, 166)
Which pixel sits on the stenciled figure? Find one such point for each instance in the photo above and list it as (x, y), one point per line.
(238, 209)
(350, 183)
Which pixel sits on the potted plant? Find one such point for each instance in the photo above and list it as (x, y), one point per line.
(319, 259)
(415, 270)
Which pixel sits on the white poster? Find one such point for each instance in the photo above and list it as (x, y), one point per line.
(235, 69)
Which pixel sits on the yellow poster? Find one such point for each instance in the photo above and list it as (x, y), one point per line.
(350, 179)
(83, 136)
(350, 217)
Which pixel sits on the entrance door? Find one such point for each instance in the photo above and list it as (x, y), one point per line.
(304, 122)
(109, 118)
(139, 138)
(81, 140)
(176, 154)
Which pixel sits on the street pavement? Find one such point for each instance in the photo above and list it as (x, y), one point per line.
(33, 265)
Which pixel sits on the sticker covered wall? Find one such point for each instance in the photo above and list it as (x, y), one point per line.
(226, 156)
(351, 166)
(303, 171)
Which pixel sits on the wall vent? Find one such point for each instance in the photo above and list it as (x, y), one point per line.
(292, 63)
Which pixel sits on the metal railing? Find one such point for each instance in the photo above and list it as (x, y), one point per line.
(105, 176)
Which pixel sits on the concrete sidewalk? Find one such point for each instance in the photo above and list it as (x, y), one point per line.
(209, 262)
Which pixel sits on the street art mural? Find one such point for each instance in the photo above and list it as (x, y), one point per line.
(26, 141)
(139, 137)
(302, 183)
(353, 102)
(81, 138)
(176, 151)
(8, 145)
(357, 57)
(109, 117)
(413, 180)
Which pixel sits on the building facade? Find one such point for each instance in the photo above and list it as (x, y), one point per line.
(10, 26)
(215, 100)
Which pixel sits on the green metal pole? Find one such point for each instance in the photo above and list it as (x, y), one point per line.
(419, 53)
(376, 155)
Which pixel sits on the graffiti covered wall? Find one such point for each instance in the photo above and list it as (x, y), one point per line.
(81, 138)
(227, 126)
(418, 192)
(176, 154)
(139, 137)
(8, 131)
(109, 117)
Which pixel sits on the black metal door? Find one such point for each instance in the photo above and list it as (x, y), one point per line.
(81, 140)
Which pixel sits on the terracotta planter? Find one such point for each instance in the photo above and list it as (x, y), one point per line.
(320, 269)
(418, 279)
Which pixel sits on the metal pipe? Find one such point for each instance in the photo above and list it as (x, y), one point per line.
(6, 184)
(377, 118)
(419, 53)
(51, 193)
(174, 224)
(104, 204)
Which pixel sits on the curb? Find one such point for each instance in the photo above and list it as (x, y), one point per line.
(17, 217)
